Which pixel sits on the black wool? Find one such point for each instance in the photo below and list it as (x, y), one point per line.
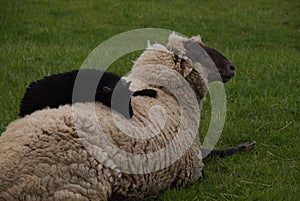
(56, 90)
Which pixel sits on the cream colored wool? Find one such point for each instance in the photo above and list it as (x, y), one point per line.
(57, 154)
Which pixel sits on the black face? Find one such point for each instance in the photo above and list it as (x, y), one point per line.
(196, 51)
(225, 67)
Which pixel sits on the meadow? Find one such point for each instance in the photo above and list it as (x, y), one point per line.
(262, 38)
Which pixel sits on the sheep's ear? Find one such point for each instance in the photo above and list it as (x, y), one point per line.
(186, 66)
(186, 71)
(197, 39)
(128, 84)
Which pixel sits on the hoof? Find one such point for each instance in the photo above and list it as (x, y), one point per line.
(247, 145)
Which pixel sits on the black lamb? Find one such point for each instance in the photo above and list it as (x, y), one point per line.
(56, 90)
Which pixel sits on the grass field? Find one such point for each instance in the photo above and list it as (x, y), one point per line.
(262, 38)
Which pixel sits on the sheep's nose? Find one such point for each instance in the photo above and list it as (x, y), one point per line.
(231, 67)
(230, 70)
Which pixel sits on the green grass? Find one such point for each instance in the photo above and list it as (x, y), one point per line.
(262, 38)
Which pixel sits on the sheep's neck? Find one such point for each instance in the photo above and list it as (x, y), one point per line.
(168, 59)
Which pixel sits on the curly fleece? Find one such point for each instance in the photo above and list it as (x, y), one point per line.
(43, 157)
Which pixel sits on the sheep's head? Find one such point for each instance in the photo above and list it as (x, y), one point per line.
(224, 65)
(216, 66)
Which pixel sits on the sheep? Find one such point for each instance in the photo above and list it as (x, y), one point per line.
(55, 90)
(68, 153)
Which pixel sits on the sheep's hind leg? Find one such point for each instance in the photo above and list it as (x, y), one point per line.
(229, 151)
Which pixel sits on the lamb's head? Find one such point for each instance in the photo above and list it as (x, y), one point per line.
(216, 66)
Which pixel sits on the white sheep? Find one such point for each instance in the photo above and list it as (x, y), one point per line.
(69, 153)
